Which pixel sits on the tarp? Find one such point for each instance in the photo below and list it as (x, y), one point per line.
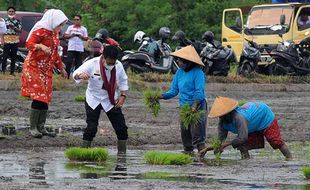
(291, 1)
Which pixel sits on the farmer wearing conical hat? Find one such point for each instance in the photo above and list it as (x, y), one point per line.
(189, 84)
(251, 122)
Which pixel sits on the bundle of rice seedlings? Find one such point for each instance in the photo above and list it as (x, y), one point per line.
(216, 145)
(167, 158)
(188, 117)
(80, 98)
(306, 171)
(242, 102)
(151, 101)
(87, 154)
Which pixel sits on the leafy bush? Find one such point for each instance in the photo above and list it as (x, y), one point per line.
(86, 154)
(166, 158)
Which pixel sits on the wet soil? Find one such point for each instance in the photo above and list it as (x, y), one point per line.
(290, 102)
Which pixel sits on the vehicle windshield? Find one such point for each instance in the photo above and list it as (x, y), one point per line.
(262, 20)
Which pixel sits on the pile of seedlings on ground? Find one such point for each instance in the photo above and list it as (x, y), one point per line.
(87, 154)
(151, 101)
(189, 117)
(306, 171)
(80, 98)
(167, 158)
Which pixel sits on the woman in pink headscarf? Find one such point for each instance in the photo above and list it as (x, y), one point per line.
(36, 81)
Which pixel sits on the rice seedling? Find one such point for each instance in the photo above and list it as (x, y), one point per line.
(216, 145)
(86, 154)
(80, 98)
(99, 169)
(165, 176)
(242, 102)
(306, 171)
(189, 117)
(166, 158)
(23, 98)
(151, 101)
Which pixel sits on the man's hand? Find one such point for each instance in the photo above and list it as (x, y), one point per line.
(120, 101)
(224, 145)
(83, 76)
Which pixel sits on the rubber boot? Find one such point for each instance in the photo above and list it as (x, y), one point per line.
(86, 144)
(41, 123)
(286, 152)
(121, 146)
(34, 119)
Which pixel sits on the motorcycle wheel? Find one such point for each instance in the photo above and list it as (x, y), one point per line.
(245, 69)
(274, 69)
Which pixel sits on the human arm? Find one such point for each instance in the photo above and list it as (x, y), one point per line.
(174, 89)
(84, 71)
(199, 88)
(122, 85)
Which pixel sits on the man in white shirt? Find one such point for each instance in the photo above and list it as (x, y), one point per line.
(76, 34)
(107, 90)
(303, 21)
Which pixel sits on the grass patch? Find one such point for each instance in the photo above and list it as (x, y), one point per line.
(306, 171)
(189, 117)
(23, 98)
(80, 98)
(151, 101)
(167, 158)
(87, 154)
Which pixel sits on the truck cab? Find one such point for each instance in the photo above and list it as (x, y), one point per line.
(263, 24)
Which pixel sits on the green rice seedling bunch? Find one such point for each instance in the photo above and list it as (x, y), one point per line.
(151, 101)
(188, 117)
(306, 171)
(242, 102)
(166, 158)
(216, 145)
(79, 98)
(87, 154)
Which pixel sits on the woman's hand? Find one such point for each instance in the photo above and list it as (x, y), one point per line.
(44, 48)
(64, 73)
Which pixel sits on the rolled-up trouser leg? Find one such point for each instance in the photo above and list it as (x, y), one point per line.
(199, 131)
(92, 117)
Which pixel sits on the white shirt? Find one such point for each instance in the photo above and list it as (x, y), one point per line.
(76, 43)
(95, 95)
(301, 23)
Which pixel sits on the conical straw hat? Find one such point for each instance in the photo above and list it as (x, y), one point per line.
(222, 106)
(188, 53)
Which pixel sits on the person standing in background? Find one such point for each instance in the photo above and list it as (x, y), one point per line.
(11, 39)
(76, 34)
(2, 30)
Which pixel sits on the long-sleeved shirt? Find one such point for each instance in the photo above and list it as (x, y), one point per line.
(189, 85)
(95, 95)
(248, 118)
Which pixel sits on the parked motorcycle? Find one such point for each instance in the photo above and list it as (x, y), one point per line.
(291, 58)
(249, 58)
(217, 59)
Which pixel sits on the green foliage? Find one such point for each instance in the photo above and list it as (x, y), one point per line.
(306, 171)
(216, 145)
(151, 101)
(189, 117)
(23, 98)
(166, 158)
(242, 102)
(80, 98)
(86, 154)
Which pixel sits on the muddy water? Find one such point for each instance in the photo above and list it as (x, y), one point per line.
(49, 169)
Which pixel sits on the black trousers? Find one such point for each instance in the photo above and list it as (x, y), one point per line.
(75, 58)
(9, 50)
(115, 116)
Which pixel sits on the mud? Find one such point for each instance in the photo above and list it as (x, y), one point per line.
(289, 102)
(28, 163)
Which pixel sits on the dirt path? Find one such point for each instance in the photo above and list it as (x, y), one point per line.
(290, 103)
